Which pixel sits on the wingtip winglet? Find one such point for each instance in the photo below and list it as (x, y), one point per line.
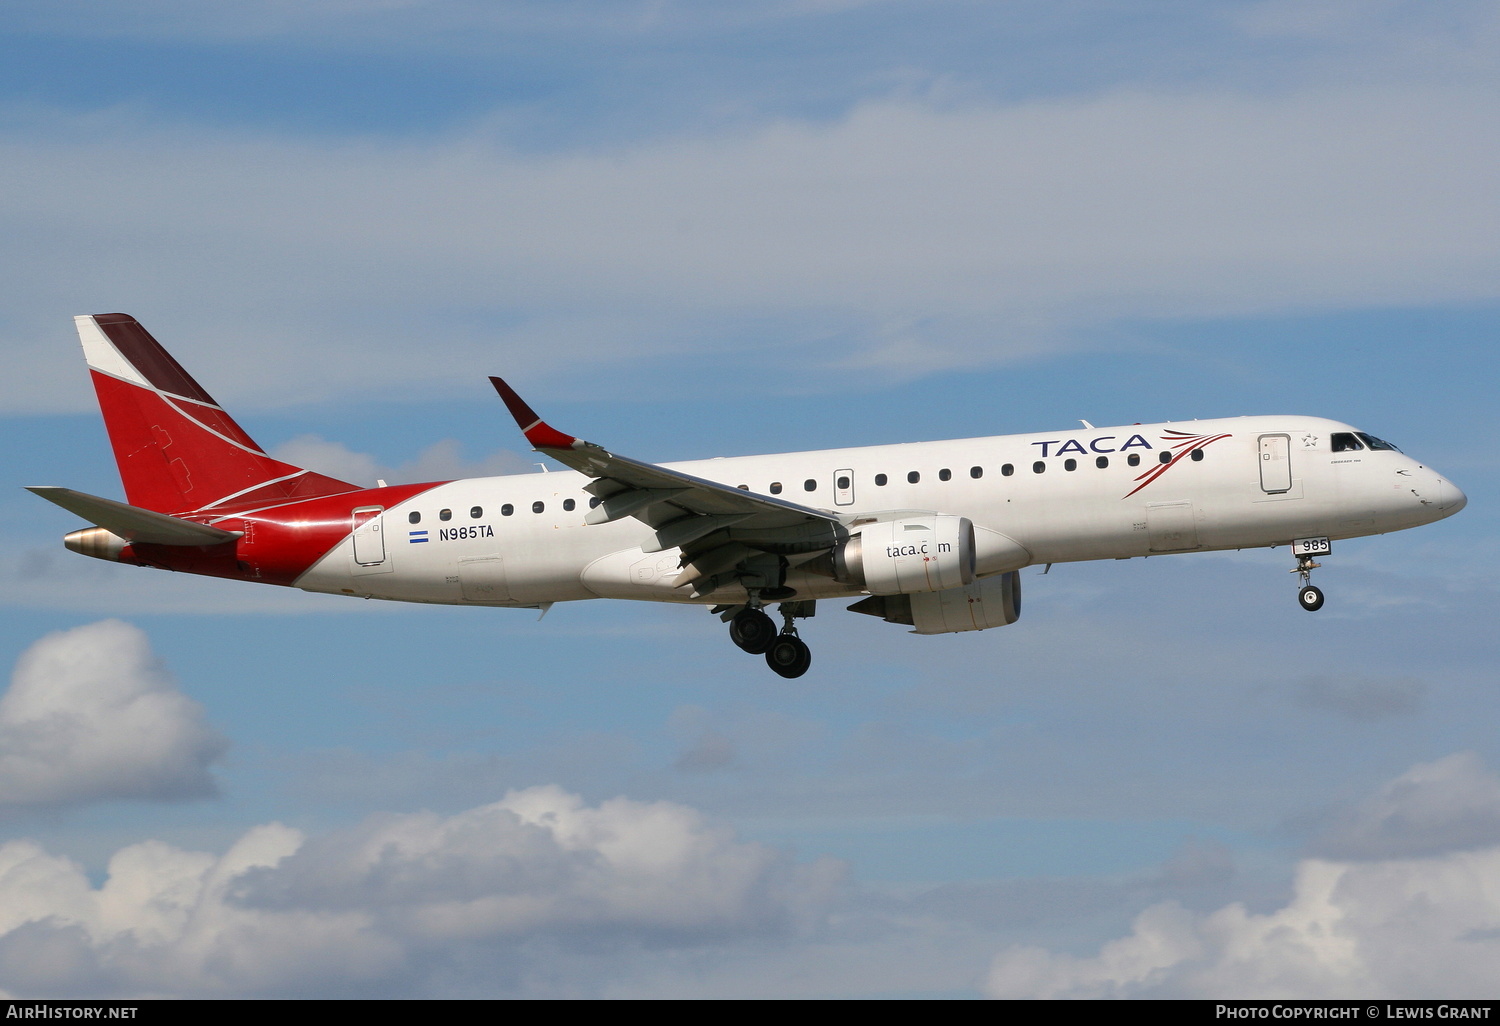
(537, 431)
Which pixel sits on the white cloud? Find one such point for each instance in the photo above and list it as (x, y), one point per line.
(491, 900)
(440, 461)
(968, 234)
(313, 452)
(91, 716)
(1389, 927)
(1435, 807)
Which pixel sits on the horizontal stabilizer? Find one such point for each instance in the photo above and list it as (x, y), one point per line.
(133, 523)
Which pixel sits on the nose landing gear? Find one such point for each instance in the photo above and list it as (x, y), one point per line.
(1308, 595)
(1311, 597)
(755, 632)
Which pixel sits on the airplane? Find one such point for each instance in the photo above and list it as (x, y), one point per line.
(930, 535)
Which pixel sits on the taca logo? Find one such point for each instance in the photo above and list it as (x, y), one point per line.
(1095, 445)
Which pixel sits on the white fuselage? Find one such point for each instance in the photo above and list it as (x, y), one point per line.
(1252, 482)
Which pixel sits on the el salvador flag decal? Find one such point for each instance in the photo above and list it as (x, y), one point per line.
(416, 536)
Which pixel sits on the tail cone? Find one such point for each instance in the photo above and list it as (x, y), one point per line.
(96, 542)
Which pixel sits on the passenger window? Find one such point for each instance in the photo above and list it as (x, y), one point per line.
(775, 487)
(475, 512)
(1039, 467)
(913, 477)
(843, 483)
(507, 510)
(568, 505)
(1070, 464)
(1134, 459)
(1164, 457)
(1007, 470)
(1197, 456)
(1101, 462)
(743, 488)
(594, 502)
(976, 472)
(445, 514)
(809, 485)
(880, 480)
(414, 517)
(1343, 441)
(538, 506)
(945, 474)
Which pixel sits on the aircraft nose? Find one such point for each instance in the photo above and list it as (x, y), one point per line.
(1451, 498)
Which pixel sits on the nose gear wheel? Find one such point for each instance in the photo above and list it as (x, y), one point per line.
(1310, 596)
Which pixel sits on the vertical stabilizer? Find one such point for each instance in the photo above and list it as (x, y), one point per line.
(178, 451)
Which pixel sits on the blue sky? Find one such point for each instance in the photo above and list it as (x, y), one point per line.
(688, 230)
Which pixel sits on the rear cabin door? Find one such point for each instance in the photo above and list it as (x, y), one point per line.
(369, 537)
(1275, 464)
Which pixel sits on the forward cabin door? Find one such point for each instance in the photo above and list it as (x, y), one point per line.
(1275, 464)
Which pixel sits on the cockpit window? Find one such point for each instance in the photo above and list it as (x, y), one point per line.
(1377, 443)
(1344, 441)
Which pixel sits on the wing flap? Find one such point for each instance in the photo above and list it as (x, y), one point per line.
(683, 532)
(627, 503)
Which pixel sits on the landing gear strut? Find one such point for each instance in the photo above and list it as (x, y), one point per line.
(1310, 596)
(788, 654)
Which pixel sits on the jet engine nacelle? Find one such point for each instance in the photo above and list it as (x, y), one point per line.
(909, 556)
(987, 602)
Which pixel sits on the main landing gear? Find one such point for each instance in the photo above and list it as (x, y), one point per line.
(788, 654)
(752, 630)
(1310, 596)
(755, 632)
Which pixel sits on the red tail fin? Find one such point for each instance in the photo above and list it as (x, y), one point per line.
(178, 451)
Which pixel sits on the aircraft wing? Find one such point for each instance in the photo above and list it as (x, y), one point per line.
(719, 527)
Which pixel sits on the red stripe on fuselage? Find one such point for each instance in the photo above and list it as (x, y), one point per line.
(1189, 444)
(281, 543)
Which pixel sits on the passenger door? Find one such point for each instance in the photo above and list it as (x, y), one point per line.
(1275, 464)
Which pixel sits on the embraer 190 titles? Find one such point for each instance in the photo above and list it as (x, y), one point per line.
(927, 534)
